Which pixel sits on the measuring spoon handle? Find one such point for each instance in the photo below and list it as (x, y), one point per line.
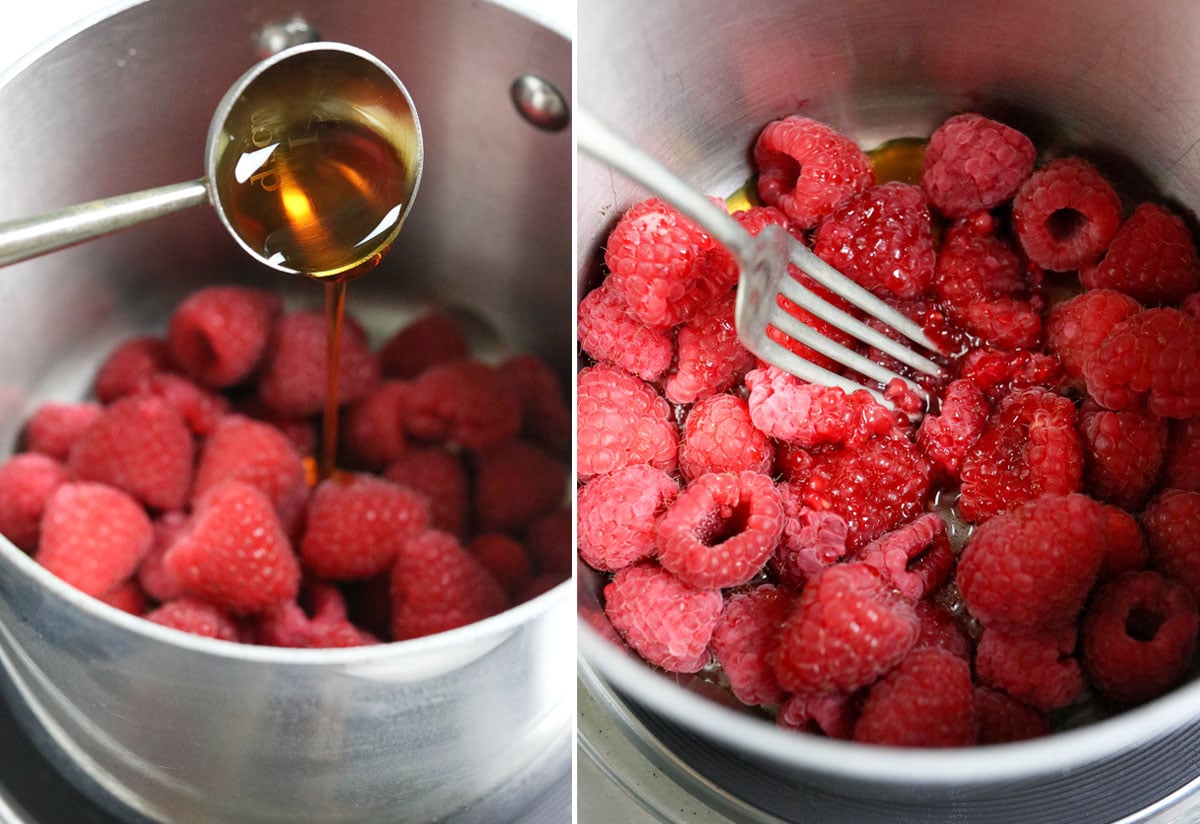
(29, 237)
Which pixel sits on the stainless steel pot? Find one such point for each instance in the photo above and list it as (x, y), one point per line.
(471, 723)
(693, 83)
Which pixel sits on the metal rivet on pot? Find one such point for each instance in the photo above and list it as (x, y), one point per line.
(540, 102)
(283, 34)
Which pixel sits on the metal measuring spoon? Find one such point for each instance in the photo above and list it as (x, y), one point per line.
(286, 203)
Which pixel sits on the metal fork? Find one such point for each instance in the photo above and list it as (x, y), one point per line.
(762, 263)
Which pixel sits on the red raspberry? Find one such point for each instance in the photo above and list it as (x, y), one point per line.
(1125, 548)
(916, 558)
(127, 597)
(1191, 305)
(1028, 447)
(874, 487)
(93, 536)
(721, 529)
(831, 715)
(430, 339)
(515, 483)
(27, 480)
(757, 218)
(545, 412)
(356, 526)
(438, 586)
(997, 372)
(1066, 214)
(1152, 258)
(218, 334)
(973, 163)
(1171, 522)
(881, 238)
(938, 627)
(465, 402)
(1181, 466)
(806, 169)
(1151, 358)
(946, 437)
(666, 621)
(809, 414)
(1139, 635)
(54, 427)
(440, 478)
(718, 436)
(792, 462)
(1031, 569)
(1037, 669)
(505, 560)
(200, 408)
(197, 617)
(1075, 328)
(664, 265)
(621, 420)
(848, 628)
(550, 543)
(812, 539)
(322, 624)
(372, 435)
(608, 333)
(1122, 453)
(131, 364)
(745, 636)
(236, 555)
(928, 700)
(293, 377)
(256, 453)
(1000, 719)
(140, 445)
(152, 576)
(618, 514)
(300, 430)
(709, 357)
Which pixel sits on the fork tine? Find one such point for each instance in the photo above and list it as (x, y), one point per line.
(805, 370)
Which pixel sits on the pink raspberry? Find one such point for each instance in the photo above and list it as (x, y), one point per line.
(545, 410)
(195, 616)
(848, 628)
(372, 435)
(721, 529)
(806, 169)
(256, 453)
(1037, 669)
(550, 543)
(621, 420)
(831, 715)
(505, 559)
(27, 480)
(1152, 258)
(320, 624)
(431, 339)
(709, 356)
(1000, 719)
(218, 334)
(54, 427)
(928, 700)
(1031, 569)
(200, 407)
(438, 586)
(1151, 359)
(440, 478)
(152, 576)
(946, 437)
(1171, 522)
(1076, 328)
(808, 414)
(1066, 214)
(1122, 453)
(466, 402)
(293, 376)
(608, 333)
(129, 365)
(744, 638)
(718, 436)
(515, 483)
(973, 163)
(881, 238)
(1181, 466)
(938, 627)
(812, 539)
(93, 536)
(666, 621)
(916, 558)
(1139, 636)
(618, 514)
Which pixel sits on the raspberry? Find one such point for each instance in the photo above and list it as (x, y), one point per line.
(439, 477)
(1066, 214)
(93, 536)
(152, 576)
(195, 616)
(1152, 258)
(792, 462)
(256, 453)
(718, 436)
(809, 414)
(504, 559)
(140, 445)
(997, 372)
(721, 529)
(293, 377)
(515, 483)
(1031, 569)
(545, 412)
(946, 437)
(465, 402)
(710, 359)
(127, 597)
(1000, 719)
(129, 365)
(1152, 358)
(973, 163)
(916, 558)
(430, 339)
(550, 543)
(54, 427)
(438, 586)
(1075, 328)
(832, 715)
(235, 555)
(668, 622)
(1122, 453)
(881, 238)
(327, 627)
(372, 435)
(218, 335)
(608, 333)
(812, 539)
(806, 169)
(744, 638)
(1171, 522)
(200, 408)
(928, 700)
(939, 628)
(356, 526)
(1028, 447)
(1191, 305)
(621, 420)
(27, 480)
(618, 514)
(664, 265)
(1139, 635)
(1036, 669)
(1181, 466)
(1125, 548)
(848, 628)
